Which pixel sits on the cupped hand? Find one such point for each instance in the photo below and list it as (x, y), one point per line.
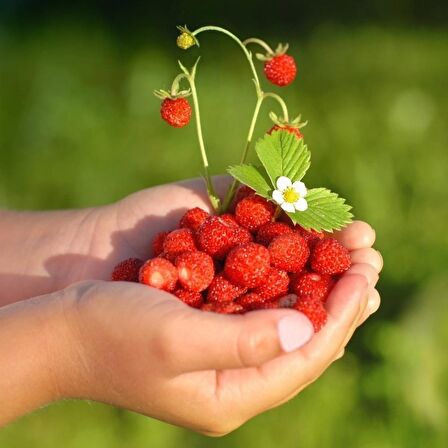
(144, 350)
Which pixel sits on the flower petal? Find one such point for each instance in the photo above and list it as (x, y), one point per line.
(288, 207)
(283, 183)
(278, 197)
(301, 205)
(300, 188)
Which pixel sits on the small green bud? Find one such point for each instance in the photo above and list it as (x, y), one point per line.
(185, 41)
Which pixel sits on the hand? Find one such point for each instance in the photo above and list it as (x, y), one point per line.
(144, 350)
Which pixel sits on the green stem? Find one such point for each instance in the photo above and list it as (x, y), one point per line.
(176, 82)
(214, 199)
(231, 192)
(262, 43)
(277, 212)
(282, 103)
(238, 41)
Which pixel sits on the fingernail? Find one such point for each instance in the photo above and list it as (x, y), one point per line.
(294, 331)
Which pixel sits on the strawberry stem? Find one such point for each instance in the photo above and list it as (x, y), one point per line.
(282, 103)
(262, 43)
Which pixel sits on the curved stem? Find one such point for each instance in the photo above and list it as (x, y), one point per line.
(262, 43)
(238, 41)
(176, 82)
(282, 103)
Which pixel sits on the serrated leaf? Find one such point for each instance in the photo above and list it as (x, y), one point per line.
(283, 154)
(326, 211)
(255, 178)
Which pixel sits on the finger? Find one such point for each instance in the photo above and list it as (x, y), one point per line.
(357, 235)
(369, 256)
(367, 270)
(197, 340)
(373, 303)
(284, 376)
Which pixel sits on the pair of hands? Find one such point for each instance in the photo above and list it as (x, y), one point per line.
(142, 349)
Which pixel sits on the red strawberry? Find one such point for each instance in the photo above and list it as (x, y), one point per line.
(254, 211)
(290, 129)
(176, 112)
(127, 270)
(193, 218)
(243, 192)
(276, 285)
(250, 301)
(247, 265)
(195, 270)
(267, 232)
(223, 308)
(314, 310)
(216, 237)
(312, 284)
(281, 70)
(157, 243)
(330, 257)
(289, 252)
(159, 273)
(222, 290)
(242, 235)
(311, 236)
(178, 241)
(190, 298)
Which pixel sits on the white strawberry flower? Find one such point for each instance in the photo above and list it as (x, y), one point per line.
(290, 195)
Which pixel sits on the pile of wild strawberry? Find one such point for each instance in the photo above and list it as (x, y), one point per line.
(241, 262)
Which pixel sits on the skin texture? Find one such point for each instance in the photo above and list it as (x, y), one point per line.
(140, 348)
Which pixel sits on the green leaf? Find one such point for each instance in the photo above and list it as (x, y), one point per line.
(283, 154)
(326, 211)
(255, 178)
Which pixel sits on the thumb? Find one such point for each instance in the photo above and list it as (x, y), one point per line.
(199, 340)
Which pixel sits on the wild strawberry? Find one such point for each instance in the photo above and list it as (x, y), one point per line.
(223, 308)
(290, 129)
(247, 265)
(289, 252)
(157, 243)
(241, 235)
(216, 237)
(330, 257)
(312, 284)
(176, 112)
(254, 211)
(222, 290)
(229, 218)
(268, 305)
(250, 301)
(275, 285)
(193, 218)
(267, 232)
(178, 241)
(190, 298)
(310, 236)
(195, 270)
(127, 270)
(281, 70)
(314, 310)
(159, 273)
(243, 192)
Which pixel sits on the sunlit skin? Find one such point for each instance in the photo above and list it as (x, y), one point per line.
(142, 349)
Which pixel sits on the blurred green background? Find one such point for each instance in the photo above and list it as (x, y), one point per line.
(79, 126)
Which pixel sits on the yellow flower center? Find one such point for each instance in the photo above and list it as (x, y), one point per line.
(290, 195)
(185, 41)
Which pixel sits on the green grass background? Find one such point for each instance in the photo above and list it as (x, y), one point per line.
(79, 126)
